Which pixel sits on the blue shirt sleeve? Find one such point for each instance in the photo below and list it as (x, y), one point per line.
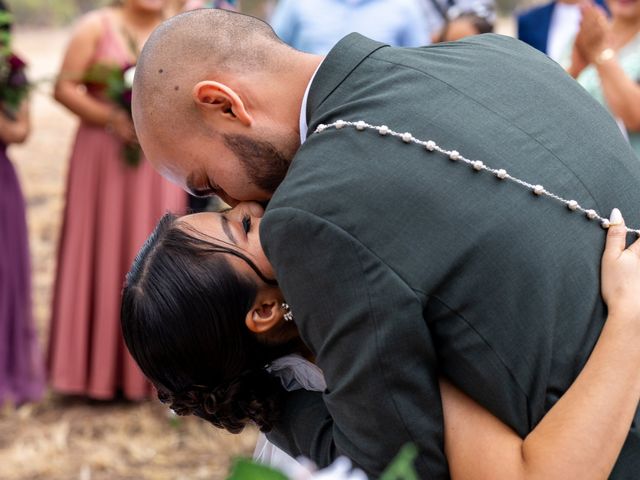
(285, 21)
(417, 32)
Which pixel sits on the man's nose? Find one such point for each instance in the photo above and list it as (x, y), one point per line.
(254, 209)
(232, 202)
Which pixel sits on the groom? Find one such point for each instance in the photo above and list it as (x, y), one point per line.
(401, 263)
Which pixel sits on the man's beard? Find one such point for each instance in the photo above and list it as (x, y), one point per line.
(266, 165)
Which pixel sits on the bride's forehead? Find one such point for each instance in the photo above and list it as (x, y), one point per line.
(206, 222)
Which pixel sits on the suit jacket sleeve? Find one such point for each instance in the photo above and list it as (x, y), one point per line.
(354, 312)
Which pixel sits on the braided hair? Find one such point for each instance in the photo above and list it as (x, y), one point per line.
(182, 316)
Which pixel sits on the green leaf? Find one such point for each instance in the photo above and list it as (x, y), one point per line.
(132, 154)
(175, 421)
(402, 466)
(6, 18)
(247, 470)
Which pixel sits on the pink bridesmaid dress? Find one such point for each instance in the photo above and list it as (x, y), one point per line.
(111, 208)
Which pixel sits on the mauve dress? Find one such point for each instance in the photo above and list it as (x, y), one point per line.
(21, 363)
(111, 208)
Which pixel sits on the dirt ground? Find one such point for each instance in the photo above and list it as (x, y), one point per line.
(62, 439)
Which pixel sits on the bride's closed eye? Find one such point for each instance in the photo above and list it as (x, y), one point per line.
(246, 223)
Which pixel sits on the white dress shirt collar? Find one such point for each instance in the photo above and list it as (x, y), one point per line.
(303, 109)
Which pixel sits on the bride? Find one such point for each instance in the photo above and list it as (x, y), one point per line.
(205, 320)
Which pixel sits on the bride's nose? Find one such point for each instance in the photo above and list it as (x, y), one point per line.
(252, 208)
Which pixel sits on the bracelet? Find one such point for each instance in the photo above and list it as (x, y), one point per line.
(604, 56)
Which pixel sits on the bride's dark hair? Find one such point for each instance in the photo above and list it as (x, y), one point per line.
(183, 311)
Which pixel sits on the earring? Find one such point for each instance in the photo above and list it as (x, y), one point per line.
(288, 316)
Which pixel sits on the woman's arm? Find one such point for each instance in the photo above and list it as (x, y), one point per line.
(621, 93)
(15, 131)
(582, 435)
(77, 61)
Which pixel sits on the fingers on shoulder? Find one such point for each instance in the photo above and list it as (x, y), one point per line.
(616, 239)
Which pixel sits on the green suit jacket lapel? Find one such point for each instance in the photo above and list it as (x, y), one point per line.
(343, 58)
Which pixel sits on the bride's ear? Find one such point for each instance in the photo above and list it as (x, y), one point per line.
(264, 315)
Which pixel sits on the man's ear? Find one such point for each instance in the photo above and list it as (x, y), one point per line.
(264, 315)
(219, 98)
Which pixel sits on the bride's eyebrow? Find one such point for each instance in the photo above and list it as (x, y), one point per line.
(225, 228)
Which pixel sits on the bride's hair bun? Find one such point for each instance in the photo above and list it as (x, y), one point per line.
(253, 397)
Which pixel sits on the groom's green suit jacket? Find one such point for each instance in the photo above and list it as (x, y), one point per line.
(401, 265)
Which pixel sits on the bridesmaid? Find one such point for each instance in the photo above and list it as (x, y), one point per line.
(111, 207)
(605, 60)
(21, 368)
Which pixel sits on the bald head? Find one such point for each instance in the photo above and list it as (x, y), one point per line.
(216, 103)
(200, 44)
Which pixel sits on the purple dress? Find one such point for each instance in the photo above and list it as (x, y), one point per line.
(21, 364)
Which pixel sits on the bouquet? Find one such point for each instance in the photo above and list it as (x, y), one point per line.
(116, 82)
(401, 468)
(14, 85)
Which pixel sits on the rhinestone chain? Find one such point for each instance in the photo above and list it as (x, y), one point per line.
(477, 165)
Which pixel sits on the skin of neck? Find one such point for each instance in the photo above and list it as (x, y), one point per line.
(276, 95)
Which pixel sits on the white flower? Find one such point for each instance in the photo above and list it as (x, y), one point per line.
(340, 469)
(129, 75)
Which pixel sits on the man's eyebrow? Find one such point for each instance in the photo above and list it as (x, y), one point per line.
(225, 228)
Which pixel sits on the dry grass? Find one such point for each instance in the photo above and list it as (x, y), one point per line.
(68, 439)
(60, 439)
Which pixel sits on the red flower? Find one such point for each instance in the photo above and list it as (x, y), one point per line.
(125, 100)
(16, 63)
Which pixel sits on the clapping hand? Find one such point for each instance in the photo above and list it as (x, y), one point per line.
(594, 34)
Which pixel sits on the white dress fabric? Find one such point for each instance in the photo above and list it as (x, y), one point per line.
(295, 373)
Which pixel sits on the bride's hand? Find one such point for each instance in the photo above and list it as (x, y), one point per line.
(621, 273)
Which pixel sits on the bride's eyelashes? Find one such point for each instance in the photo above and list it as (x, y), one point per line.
(246, 223)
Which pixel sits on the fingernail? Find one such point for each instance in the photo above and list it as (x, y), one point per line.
(616, 217)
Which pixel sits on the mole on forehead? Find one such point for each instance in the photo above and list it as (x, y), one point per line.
(161, 70)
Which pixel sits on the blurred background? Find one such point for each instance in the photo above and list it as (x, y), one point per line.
(76, 436)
